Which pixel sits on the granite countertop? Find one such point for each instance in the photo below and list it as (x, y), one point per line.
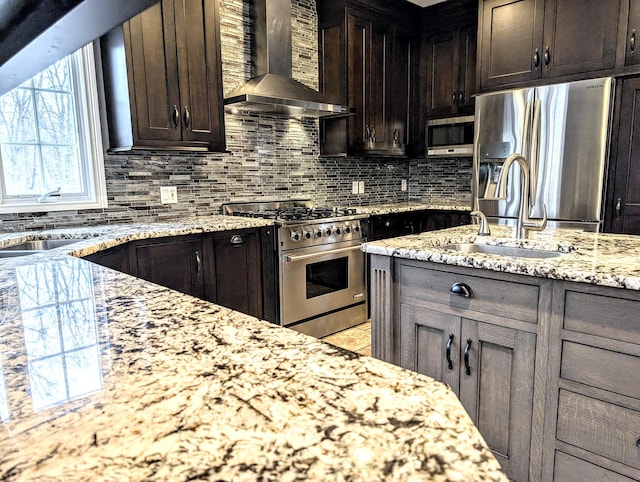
(602, 259)
(105, 376)
(376, 209)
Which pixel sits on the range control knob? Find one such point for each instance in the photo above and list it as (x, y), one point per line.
(338, 231)
(347, 229)
(295, 235)
(319, 233)
(306, 234)
(356, 229)
(329, 231)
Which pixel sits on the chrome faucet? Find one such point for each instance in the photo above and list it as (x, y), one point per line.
(524, 223)
(483, 230)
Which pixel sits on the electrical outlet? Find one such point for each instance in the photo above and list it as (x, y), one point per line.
(360, 187)
(168, 194)
(354, 187)
(403, 185)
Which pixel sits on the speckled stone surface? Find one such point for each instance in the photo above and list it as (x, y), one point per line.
(601, 259)
(107, 377)
(411, 206)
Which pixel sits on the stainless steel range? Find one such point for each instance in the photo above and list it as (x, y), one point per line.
(321, 269)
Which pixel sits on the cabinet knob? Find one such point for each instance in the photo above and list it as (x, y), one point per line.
(461, 289)
(461, 99)
(632, 41)
(454, 97)
(618, 207)
(536, 58)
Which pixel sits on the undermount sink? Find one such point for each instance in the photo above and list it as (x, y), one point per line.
(33, 246)
(510, 251)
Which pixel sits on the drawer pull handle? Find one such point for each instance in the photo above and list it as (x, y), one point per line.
(461, 289)
(467, 349)
(236, 239)
(448, 351)
(638, 443)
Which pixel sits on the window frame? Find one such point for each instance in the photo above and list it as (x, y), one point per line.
(87, 109)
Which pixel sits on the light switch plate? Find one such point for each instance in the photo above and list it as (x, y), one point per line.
(403, 185)
(354, 187)
(360, 187)
(168, 194)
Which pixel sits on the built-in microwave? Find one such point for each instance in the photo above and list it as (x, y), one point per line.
(450, 137)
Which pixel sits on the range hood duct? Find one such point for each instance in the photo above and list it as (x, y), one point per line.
(273, 90)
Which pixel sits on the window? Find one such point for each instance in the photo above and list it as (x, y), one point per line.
(50, 140)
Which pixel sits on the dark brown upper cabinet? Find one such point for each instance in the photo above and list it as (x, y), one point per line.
(166, 91)
(527, 40)
(450, 54)
(369, 54)
(632, 48)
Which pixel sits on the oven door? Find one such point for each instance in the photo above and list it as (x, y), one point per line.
(320, 279)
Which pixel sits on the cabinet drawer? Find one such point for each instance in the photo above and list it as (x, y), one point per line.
(571, 469)
(596, 367)
(607, 316)
(496, 297)
(599, 427)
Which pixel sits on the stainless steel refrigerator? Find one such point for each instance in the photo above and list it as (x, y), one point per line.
(563, 132)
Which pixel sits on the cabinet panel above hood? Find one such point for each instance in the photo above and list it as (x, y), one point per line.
(36, 33)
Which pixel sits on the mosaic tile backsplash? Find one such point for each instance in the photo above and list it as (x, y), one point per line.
(270, 156)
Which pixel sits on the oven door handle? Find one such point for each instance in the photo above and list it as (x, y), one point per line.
(290, 259)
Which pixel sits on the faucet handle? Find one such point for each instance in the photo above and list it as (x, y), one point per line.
(483, 230)
(537, 225)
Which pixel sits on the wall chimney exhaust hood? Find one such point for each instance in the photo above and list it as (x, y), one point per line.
(36, 33)
(273, 90)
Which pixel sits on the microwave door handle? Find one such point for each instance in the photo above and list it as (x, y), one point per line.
(287, 258)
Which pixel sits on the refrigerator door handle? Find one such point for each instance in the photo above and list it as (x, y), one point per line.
(534, 161)
(526, 131)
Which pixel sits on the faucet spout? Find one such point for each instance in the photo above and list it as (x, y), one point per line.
(523, 223)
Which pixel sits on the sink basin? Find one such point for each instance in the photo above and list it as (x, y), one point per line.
(39, 244)
(33, 246)
(503, 250)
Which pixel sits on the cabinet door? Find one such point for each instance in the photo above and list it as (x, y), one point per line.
(430, 344)
(174, 264)
(150, 40)
(358, 46)
(510, 35)
(624, 202)
(496, 389)
(467, 69)
(378, 73)
(442, 81)
(632, 49)
(200, 77)
(568, 46)
(238, 272)
(403, 87)
(115, 258)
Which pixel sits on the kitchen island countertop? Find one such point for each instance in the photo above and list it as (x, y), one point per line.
(105, 376)
(597, 258)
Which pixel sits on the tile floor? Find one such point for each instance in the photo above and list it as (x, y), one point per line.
(356, 338)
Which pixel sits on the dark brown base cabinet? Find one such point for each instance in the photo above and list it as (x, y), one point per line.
(383, 226)
(175, 263)
(235, 269)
